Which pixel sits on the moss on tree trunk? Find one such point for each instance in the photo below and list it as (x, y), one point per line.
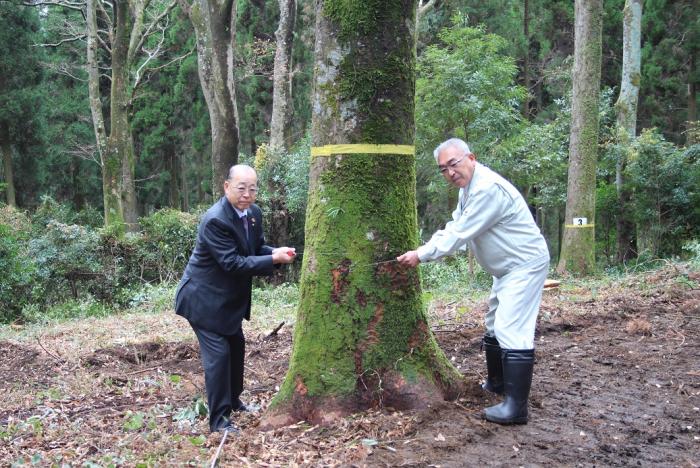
(361, 337)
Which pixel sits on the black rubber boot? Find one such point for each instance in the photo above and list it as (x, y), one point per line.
(517, 378)
(494, 365)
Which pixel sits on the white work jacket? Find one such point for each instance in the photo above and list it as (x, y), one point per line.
(494, 220)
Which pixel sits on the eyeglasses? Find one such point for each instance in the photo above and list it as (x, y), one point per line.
(451, 165)
(250, 190)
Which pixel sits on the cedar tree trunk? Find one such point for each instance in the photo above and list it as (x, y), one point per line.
(6, 150)
(361, 337)
(578, 245)
(626, 108)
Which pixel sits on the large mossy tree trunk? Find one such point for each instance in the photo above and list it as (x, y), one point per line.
(361, 337)
(578, 245)
(626, 109)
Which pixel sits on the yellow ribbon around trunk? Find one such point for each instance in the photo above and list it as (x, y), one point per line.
(362, 148)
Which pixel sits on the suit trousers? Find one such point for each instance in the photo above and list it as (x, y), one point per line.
(223, 359)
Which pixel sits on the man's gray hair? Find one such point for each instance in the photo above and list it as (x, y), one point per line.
(239, 167)
(458, 142)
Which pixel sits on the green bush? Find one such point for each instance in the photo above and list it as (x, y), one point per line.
(69, 264)
(665, 181)
(166, 242)
(16, 273)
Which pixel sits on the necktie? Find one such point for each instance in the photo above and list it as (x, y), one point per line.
(244, 220)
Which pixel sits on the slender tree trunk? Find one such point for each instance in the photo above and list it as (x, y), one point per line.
(215, 29)
(693, 130)
(111, 168)
(280, 123)
(174, 183)
(361, 337)
(526, 62)
(120, 144)
(578, 245)
(626, 108)
(6, 150)
(184, 188)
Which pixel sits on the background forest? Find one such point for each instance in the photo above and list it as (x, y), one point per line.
(111, 118)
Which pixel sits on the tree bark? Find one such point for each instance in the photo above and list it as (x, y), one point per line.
(526, 62)
(626, 109)
(111, 176)
(215, 29)
(174, 183)
(361, 338)
(116, 145)
(6, 150)
(693, 130)
(280, 123)
(578, 245)
(185, 186)
(120, 144)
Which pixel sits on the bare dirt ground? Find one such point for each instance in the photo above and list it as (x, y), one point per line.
(617, 383)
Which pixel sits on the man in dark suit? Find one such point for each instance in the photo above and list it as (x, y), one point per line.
(215, 291)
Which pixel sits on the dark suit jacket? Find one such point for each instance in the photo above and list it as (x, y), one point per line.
(215, 290)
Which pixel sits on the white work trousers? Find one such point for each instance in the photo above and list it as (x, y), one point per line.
(514, 304)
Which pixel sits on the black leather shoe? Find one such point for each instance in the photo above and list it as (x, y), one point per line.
(230, 427)
(243, 408)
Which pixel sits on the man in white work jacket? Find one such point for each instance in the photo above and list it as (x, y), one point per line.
(493, 219)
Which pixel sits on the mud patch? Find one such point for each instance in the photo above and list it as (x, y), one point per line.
(141, 354)
(15, 356)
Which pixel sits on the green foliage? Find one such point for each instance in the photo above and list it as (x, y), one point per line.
(165, 244)
(22, 121)
(171, 125)
(16, 274)
(68, 264)
(465, 88)
(66, 309)
(693, 248)
(288, 173)
(454, 276)
(665, 182)
(197, 410)
(670, 36)
(133, 421)
(55, 270)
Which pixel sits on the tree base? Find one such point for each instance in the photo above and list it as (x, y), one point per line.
(390, 390)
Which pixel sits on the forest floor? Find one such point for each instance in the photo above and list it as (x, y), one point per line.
(617, 383)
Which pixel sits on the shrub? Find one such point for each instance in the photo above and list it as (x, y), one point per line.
(166, 243)
(665, 181)
(69, 264)
(16, 273)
